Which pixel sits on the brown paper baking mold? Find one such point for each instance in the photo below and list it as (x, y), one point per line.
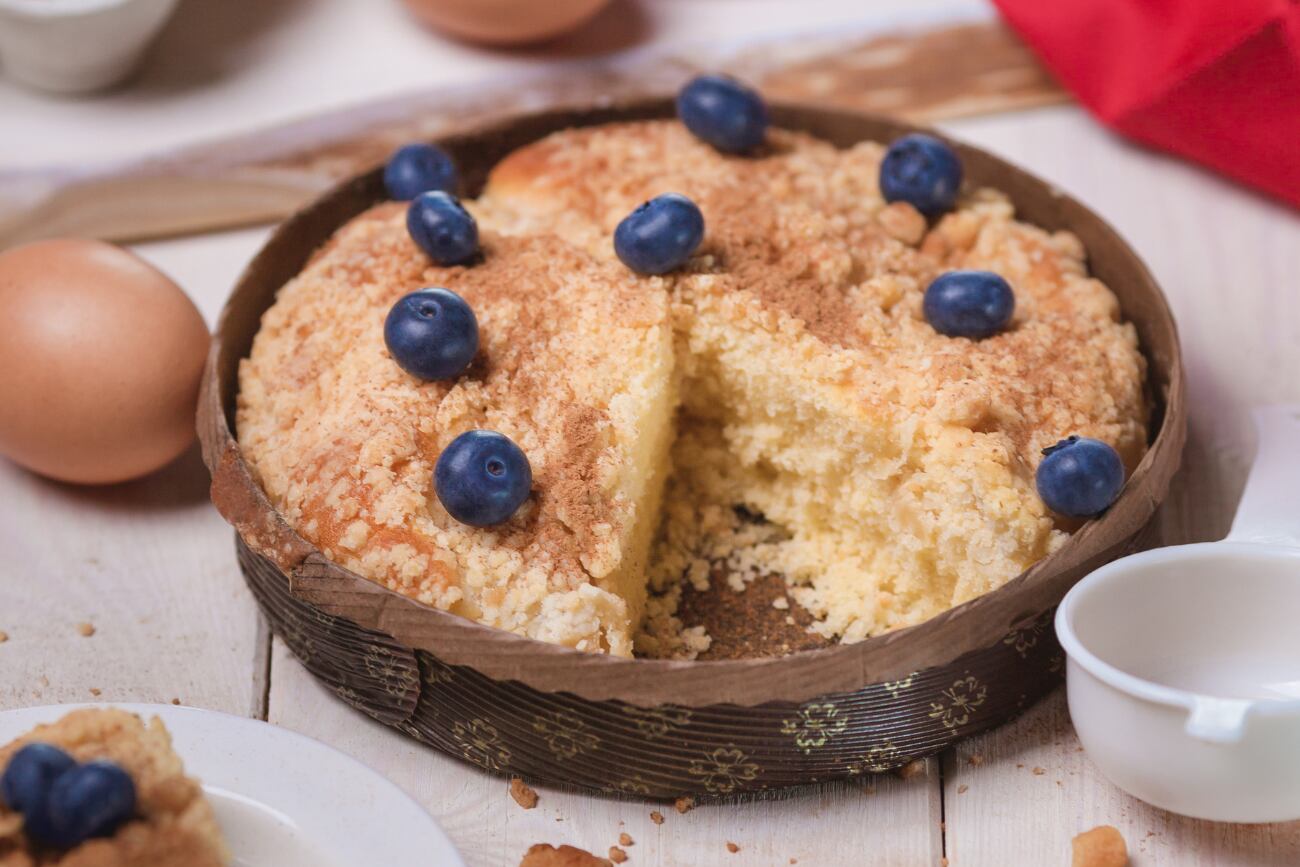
(665, 728)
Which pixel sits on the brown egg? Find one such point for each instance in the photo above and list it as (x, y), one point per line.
(505, 22)
(100, 359)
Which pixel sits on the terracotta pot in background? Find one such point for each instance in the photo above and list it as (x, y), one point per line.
(505, 22)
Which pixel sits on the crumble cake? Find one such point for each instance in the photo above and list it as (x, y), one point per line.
(173, 824)
(893, 466)
(575, 365)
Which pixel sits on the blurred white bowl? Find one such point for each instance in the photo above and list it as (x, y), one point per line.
(75, 46)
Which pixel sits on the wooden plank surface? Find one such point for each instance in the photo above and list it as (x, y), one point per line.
(1018, 795)
(148, 567)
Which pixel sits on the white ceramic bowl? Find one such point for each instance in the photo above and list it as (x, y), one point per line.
(76, 46)
(1183, 675)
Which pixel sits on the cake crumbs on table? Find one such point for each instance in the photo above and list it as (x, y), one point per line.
(625, 839)
(176, 701)
(1102, 846)
(732, 847)
(1038, 772)
(684, 804)
(617, 855)
(86, 629)
(524, 795)
(96, 691)
(546, 855)
(911, 769)
(4, 636)
(975, 760)
(963, 789)
(656, 817)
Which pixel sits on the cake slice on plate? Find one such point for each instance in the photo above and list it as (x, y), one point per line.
(102, 788)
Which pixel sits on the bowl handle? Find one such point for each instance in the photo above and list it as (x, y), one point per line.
(1218, 720)
(1269, 511)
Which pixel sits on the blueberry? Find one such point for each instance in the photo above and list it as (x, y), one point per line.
(922, 171)
(432, 334)
(482, 478)
(419, 168)
(1080, 477)
(442, 228)
(31, 772)
(660, 234)
(723, 112)
(972, 304)
(91, 800)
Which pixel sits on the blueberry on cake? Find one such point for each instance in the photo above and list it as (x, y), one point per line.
(101, 788)
(700, 346)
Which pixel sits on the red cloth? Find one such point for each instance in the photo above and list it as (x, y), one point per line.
(1216, 81)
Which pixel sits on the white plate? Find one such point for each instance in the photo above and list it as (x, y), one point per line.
(282, 799)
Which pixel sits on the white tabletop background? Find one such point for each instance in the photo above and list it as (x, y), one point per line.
(152, 565)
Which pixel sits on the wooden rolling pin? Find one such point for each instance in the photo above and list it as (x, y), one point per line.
(264, 176)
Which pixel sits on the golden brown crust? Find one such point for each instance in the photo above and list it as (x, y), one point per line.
(176, 827)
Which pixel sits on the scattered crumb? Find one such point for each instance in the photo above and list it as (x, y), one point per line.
(86, 629)
(902, 222)
(617, 855)
(911, 769)
(1103, 846)
(1038, 772)
(4, 636)
(546, 855)
(780, 603)
(96, 691)
(656, 817)
(1020, 764)
(963, 789)
(732, 847)
(684, 804)
(625, 839)
(943, 862)
(176, 701)
(794, 860)
(524, 795)
(975, 760)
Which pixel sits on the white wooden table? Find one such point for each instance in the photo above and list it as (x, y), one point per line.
(151, 565)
